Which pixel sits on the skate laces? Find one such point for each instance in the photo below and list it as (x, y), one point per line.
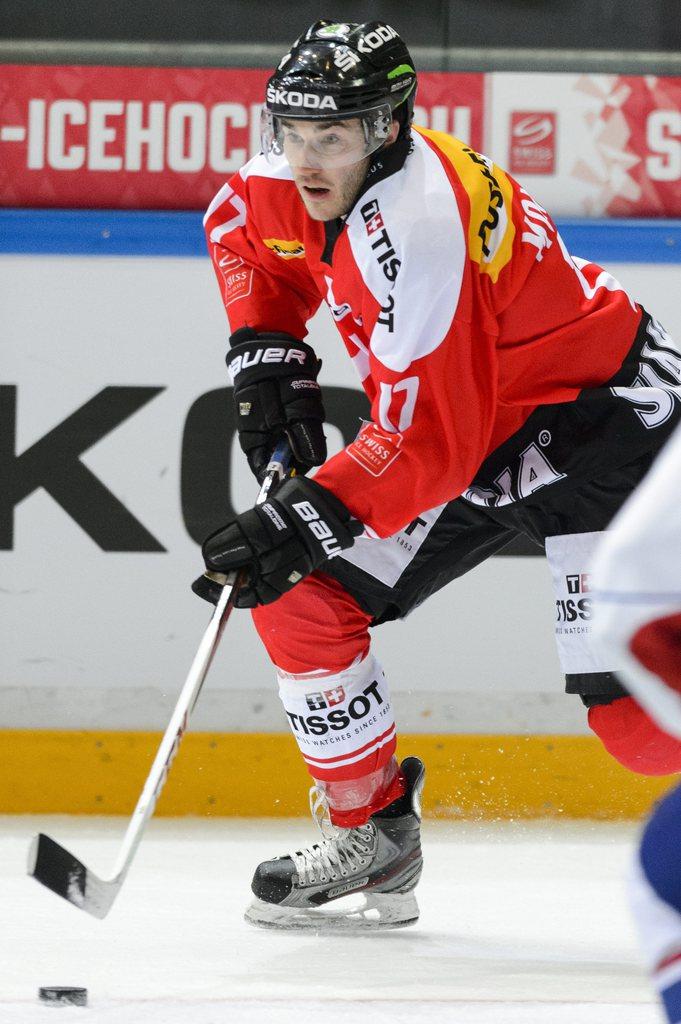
(342, 851)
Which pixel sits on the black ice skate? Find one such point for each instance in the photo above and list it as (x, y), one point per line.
(372, 869)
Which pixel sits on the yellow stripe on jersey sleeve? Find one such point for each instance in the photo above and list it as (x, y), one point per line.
(491, 229)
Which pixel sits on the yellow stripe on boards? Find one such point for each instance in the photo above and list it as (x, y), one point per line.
(262, 775)
(491, 229)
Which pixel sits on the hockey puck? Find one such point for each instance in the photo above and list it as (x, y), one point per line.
(61, 995)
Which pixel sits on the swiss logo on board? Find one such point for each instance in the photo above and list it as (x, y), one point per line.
(532, 142)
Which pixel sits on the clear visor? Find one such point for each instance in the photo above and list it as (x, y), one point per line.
(324, 143)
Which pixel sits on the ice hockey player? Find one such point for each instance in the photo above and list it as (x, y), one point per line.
(637, 620)
(514, 390)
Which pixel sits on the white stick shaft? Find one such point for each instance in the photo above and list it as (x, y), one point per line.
(174, 733)
(185, 704)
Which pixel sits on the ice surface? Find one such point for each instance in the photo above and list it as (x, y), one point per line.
(519, 923)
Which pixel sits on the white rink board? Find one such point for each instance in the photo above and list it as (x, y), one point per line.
(519, 925)
(103, 640)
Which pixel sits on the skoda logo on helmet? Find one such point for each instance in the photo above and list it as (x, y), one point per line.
(302, 100)
(376, 38)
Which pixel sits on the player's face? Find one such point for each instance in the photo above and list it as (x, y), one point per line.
(330, 193)
(328, 162)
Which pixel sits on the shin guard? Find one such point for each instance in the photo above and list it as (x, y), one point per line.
(345, 728)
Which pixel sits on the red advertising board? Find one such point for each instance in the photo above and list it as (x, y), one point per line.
(156, 138)
(646, 112)
(167, 138)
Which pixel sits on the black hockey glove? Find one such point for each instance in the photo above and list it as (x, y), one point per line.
(278, 543)
(276, 394)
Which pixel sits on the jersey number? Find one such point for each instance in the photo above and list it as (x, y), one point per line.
(397, 402)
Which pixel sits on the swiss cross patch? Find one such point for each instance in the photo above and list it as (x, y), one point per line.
(372, 216)
(375, 449)
(374, 224)
(236, 275)
(335, 696)
(325, 699)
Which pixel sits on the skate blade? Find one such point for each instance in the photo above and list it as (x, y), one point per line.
(376, 911)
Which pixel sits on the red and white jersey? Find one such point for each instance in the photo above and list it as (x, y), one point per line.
(456, 299)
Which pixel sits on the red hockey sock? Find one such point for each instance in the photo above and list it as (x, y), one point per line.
(633, 739)
(353, 801)
(315, 626)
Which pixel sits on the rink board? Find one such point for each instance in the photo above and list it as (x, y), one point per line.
(102, 309)
(247, 775)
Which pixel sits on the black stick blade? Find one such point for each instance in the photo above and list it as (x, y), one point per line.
(58, 870)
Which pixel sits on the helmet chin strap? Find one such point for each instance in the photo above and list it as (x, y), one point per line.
(401, 116)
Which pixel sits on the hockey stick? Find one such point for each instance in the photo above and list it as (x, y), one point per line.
(59, 870)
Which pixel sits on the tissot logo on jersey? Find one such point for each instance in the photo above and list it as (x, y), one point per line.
(386, 315)
(571, 610)
(304, 100)
(575, 608)
(578, 583)
(374, 223)
(382, 246)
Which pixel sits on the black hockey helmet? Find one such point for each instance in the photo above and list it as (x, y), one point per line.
(340, 71)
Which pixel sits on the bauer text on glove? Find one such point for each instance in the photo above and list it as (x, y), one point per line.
(276, 395)
(278, 543)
